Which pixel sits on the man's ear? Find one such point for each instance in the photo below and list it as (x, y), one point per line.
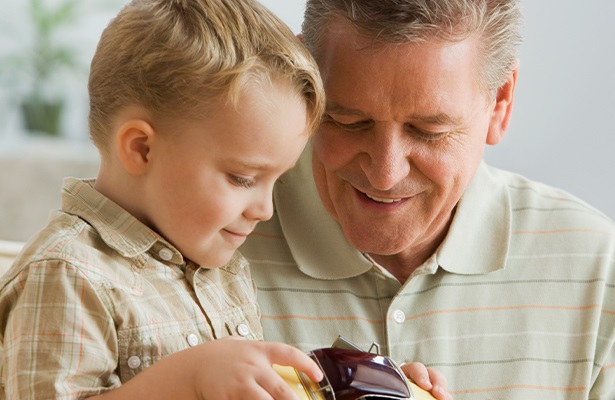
(502, 109)
(134, 140)
(300, 37)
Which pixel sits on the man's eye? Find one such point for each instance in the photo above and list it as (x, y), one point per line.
(241, 181)
(351, 126)
(427, 136)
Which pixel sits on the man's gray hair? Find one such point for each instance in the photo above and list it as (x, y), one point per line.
(495, 23)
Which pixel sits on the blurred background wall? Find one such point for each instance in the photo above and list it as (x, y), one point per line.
(561, 132)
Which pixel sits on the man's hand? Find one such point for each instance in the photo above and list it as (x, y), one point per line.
(429, 379)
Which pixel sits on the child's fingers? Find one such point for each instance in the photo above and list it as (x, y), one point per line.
(276, 387)
(284, 354)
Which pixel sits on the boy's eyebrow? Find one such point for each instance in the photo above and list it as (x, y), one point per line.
(257, 166)
(254, 165)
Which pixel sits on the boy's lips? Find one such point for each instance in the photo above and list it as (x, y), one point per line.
(236, 233)
(239, 232)
(233, 238)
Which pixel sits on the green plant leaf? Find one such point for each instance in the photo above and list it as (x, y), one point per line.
(48, 20)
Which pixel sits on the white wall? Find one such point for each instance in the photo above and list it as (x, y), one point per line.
(561, 132)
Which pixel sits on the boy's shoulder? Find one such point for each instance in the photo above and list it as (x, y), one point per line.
(68, 243)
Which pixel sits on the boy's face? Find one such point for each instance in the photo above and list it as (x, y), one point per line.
(210, 183)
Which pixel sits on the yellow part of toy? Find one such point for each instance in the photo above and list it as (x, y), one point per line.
(308, 390)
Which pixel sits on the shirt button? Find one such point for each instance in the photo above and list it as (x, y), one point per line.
(134, 362)
(192, 339)
(399, 316)
(165, 254)
(243, 330)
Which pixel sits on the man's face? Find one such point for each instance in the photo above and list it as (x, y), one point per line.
(404, 133)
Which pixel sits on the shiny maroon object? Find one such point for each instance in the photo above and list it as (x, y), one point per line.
(354, 375)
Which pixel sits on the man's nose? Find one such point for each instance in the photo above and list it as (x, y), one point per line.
(387, 163)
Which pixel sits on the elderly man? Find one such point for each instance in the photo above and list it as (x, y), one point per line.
(392, 228)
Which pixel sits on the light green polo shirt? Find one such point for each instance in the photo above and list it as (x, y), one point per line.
(517, 303)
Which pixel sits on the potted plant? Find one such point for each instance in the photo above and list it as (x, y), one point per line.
(41, 61)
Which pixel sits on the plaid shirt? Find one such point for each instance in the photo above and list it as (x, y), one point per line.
(96, 297)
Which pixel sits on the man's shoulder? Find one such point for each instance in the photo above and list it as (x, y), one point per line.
(540, 203)
(546, 221)
(267, 243)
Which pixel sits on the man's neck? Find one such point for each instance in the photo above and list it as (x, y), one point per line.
(399, 266)
(403, 264)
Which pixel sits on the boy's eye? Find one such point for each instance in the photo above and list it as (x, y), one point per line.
(241, 181)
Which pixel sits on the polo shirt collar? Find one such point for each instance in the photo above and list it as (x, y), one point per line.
(479, 236)
(476, 243)
(316, 240)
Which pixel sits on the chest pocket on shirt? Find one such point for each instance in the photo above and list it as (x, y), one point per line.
(142, 346)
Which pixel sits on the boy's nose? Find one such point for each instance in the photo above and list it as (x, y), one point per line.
(261, 208)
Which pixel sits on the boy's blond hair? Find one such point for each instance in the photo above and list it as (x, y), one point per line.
(174, 57)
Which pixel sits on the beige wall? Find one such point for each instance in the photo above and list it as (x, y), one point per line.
(8, 252)
(31, 178)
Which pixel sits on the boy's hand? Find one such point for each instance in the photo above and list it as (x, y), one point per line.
(429, 379)
(225, 369)
(238, 369)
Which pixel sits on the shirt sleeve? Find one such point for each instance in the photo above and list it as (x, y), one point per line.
(604, 360)
(59, 336)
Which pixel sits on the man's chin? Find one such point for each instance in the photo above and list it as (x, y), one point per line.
(373, 242)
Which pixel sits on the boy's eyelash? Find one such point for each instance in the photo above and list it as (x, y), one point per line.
(243, 182)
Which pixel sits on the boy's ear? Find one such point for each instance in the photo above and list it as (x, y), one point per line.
(134, 140)
(502, 109)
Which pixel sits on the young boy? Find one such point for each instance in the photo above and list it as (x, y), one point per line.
(197, 107)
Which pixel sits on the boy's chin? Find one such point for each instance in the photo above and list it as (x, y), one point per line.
(222, 258)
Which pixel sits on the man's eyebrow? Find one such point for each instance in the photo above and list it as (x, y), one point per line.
(435, 119)
(337, 109)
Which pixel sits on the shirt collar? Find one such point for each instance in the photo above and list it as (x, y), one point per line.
(480, 234)
(117, 227)
(315, 239)
(477, 241)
